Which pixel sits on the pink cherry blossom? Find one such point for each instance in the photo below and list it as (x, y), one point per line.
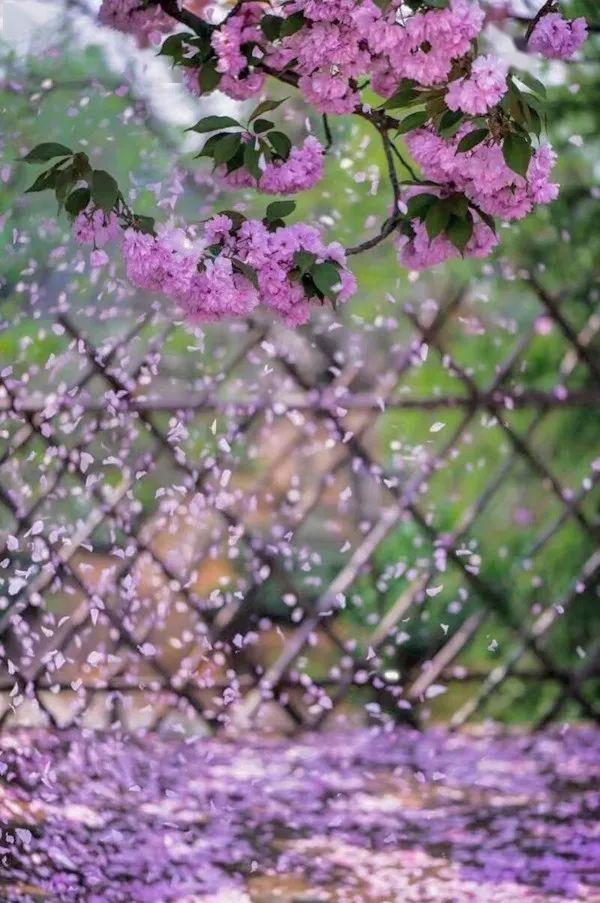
(96, 227)
(211, 288)
(558, 38)
(300, 172)
(482, 89)
(147, 25)
(238, 81)
(483, 175)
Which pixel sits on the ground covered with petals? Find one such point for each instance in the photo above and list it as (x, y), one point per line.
(366, 815)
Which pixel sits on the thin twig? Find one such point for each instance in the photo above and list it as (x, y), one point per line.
(328, 134)
(404, 162)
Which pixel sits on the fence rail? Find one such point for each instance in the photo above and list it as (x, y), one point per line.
(173, 551)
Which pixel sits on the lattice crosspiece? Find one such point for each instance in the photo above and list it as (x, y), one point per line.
(292, 528)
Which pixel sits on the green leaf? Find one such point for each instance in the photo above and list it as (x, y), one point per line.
(419, 204)
(487, 219)
(265, 107)
(65, 181)
(235, 216)
(77, 201)
(226, 148)
(292, 24)
(44, 180)
(105, 190)
(404, 96)
(144, 224)
(173, 45)
(279, 210)
(210, 144)
(450, 122)
(471, 140)
(459, 232)
(265, 149)
(281, 144)
(81, 166)
(533, 83)
(457, 204)
(209, 78)
(535, 121)
(262, 125)
(413, 121)
(251, 160)
(517, 152)
(435, 106)
(213, 124)
(325, 276)
(450, 118)
(271, 27)
(303, 260)
(47, 151)
(436, 219)
(237, 161)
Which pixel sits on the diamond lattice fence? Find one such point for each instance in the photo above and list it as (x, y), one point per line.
(253, 527)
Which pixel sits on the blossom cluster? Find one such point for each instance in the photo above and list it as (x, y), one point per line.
(341, 41)
(128, 16)
(241, 30)
(557, 38)
(300, 172)
(333, 45)
(344, 41)
(482, 89)
(230, 269)
(490, 187)
(482, 173)
(418, 251)
(94, 227)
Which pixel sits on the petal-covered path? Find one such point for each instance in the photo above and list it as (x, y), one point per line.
(359, 816)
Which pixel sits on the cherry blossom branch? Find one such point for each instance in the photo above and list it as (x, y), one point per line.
(377, 118)
(486, 118)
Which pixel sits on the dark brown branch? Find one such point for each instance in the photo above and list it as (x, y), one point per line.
(370, 243)
(327, 130)
(389, 158)
(198, 25)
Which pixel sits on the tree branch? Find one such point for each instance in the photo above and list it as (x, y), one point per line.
(379, 119)
(387, 229)
(198, 25)
(327, 130)
(387, 148)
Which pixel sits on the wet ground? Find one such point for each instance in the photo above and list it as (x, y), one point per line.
(346, 817)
